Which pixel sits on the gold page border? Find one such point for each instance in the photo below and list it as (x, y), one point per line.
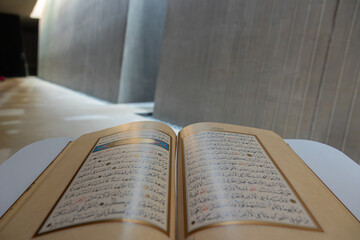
(264, 223)
(125, 220)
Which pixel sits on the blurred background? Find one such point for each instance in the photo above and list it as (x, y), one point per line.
(72, 67)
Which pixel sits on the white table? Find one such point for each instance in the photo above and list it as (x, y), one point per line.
(20, 170)
(334, 168)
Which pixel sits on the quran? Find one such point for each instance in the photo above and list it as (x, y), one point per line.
(211, 181)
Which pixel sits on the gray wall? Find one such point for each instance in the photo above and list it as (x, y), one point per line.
(291, 66)
(144, 32)
(337, 112)
(82, 46)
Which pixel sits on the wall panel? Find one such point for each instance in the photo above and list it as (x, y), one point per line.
(337, 121)
(81, 45)
(290, 66)
(108, 49)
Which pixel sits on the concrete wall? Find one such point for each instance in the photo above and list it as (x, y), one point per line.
(82, 46)
(337, 112)
(141, 59)
(291, 66)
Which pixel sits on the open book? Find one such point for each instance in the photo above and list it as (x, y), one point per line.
(212, 181)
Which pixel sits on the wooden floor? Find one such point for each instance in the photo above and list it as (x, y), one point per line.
(32, 109)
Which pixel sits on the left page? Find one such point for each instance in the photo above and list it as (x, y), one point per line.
(118, 183)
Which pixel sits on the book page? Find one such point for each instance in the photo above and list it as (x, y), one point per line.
(229, 178)
(126, 178)
(232, 185)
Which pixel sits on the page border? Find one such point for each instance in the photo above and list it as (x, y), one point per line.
(247, 222)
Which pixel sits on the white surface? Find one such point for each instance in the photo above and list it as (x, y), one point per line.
(339, 173)
(20, 171)
(334, 168)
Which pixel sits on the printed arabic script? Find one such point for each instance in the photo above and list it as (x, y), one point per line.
(125, 177)
(230, 178)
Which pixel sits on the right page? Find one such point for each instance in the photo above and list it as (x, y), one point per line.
(247, 183)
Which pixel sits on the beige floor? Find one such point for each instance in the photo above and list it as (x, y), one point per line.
(32, 109)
